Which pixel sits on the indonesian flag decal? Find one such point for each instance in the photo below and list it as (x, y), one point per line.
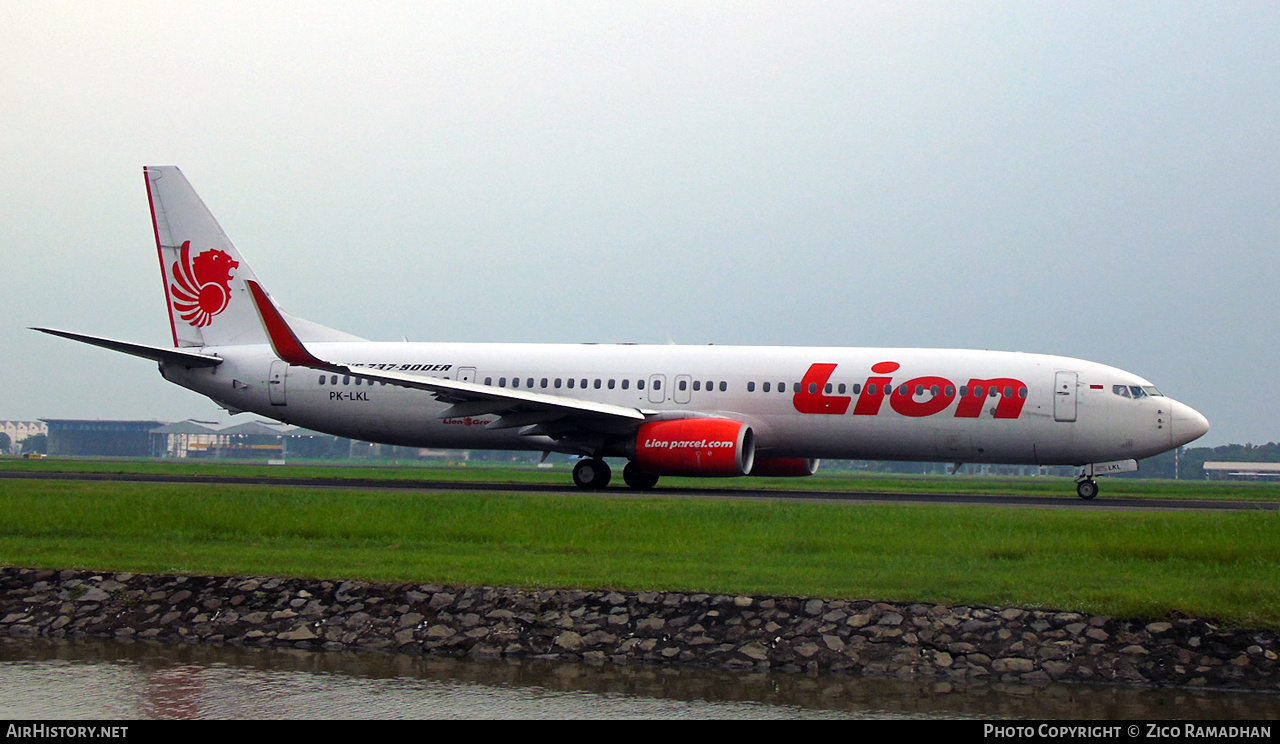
(201, 286)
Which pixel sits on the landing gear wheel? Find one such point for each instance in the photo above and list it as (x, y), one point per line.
(638, 479)
(1087, 488)
(591, 474)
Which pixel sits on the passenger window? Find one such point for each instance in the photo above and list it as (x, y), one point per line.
(639, 384)
(357, 381)
(697, 385)
(684, 385)
(584, 383)
(1008, 392)
(570, 383)
(544, 383)
(657, 384)
(857, 389)
(502, 382)
(1022, 392)
(597, 384)
(751, 387)
(611, 384)
(557, 383)
(813, 388)
(322, 378)
(840, 388)
(346, 379)
(708, 386)
(950, 390)
(333, 380)
(626, 383)
(528, 383)
(724, 386)
(488, 380)
(515, 382)
(765, 387)
(871, 389)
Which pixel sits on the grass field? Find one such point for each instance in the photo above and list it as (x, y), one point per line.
(826, 480)
(1137, 564)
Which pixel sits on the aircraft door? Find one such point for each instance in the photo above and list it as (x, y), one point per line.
(275, 382)
(1064, 396)
(683, 392)
(656, 385)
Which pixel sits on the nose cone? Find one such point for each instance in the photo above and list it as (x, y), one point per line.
(1188, 424)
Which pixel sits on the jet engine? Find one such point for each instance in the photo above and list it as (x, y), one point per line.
(695, 447)
(784, 467)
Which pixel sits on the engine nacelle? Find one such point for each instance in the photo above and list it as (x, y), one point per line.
(696, 447)
(785, 467)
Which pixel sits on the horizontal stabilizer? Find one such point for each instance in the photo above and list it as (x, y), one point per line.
(155, 353)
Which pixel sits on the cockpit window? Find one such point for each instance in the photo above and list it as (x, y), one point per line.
(1136, 391)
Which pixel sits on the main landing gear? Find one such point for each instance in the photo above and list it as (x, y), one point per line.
(638, 479)
(1086, 488)
(593, 474)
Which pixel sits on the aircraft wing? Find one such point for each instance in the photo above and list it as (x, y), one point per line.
(155, 353)
(516, 407)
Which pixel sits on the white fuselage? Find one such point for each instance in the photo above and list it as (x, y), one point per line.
(956, 406)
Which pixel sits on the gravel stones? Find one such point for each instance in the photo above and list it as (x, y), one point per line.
(733, 632)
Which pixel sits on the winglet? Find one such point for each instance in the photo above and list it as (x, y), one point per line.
(283, 339)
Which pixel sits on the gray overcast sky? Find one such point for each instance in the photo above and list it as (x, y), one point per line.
(1100, 180)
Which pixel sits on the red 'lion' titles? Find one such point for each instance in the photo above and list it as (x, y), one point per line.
(920, 396)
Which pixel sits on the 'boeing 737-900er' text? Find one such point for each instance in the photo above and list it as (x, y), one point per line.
(669, 410)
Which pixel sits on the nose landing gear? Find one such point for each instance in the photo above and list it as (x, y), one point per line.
(1086, 488)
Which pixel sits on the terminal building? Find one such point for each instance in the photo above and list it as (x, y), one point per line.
(101, 438)
(253, 440)
(266, 440)
(20, 430)
(1242, 470)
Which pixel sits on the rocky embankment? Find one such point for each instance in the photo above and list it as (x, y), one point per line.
(781, 633)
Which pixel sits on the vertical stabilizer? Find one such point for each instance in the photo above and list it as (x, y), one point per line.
(204, 275)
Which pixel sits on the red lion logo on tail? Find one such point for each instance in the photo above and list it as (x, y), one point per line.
(201, 286)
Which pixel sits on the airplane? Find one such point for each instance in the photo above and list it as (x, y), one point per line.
(703, 411)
